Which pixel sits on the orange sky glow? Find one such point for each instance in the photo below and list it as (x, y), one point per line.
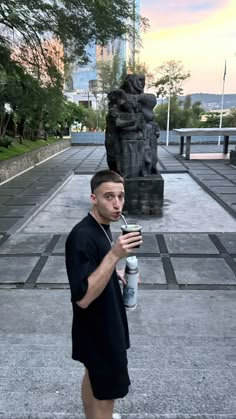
(200, 34)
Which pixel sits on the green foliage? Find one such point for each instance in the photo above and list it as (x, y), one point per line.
(171, 79)
(102, 113)
(76, 23)
(141, 68)
(230, 119)
(182, 114)
(112, 73)
(109, 74)
(26, 103)
(90, 118)
(17, 149)
(29, 105)
(6, 141)
(211, 120)
(69, 114)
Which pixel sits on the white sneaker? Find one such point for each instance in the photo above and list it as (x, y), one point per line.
(116, 416)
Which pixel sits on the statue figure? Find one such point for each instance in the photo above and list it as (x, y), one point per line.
(131, 132)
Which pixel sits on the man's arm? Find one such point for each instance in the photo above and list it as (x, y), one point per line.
(101, 276)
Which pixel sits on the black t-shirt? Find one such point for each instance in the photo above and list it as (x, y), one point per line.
(100, 333)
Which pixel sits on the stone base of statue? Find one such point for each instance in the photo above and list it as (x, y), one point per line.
(144, 195)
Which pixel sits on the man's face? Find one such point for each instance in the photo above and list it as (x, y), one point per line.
(108, 201)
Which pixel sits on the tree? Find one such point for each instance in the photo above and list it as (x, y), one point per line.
(109, 74)
(191, 112)
(172, 77)
(230, 119)
(183, 113)
(141, 68)
(211, 120)
(90, 118)
(70, 113)
(76, 23)
(176, 115)
(112, 73)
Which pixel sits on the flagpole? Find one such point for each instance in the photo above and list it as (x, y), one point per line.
(168, 118)
(222, 103)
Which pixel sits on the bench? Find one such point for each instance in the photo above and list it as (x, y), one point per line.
(198, 132)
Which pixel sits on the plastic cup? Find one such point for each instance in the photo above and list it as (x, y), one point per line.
(131, 228)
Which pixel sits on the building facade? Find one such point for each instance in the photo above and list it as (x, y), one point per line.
(85, 77)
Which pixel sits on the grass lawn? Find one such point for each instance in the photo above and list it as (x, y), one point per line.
(17, 149)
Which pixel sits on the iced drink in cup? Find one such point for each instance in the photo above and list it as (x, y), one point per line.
(131, 228)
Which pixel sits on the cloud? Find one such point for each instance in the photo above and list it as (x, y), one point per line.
(169, 13)
(202, 39)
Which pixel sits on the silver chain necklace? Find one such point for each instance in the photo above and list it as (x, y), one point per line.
(103, 229)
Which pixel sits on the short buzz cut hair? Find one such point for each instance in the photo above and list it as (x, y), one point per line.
(105, 176)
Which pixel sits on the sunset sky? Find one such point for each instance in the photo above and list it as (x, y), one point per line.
(199, 33)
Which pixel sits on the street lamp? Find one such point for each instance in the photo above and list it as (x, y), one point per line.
(168, 117)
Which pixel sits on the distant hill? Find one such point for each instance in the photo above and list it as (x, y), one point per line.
(210, 101)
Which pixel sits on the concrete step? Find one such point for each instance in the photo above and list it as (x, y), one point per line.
(182, 360)
(135, 415)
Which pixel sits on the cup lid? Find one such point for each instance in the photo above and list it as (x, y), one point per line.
(131, 227)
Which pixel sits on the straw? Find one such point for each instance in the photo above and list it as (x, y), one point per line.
(122, 216)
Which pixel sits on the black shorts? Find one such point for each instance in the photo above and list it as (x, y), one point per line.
(109, 385)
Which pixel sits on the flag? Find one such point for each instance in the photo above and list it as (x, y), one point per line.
(224, 71)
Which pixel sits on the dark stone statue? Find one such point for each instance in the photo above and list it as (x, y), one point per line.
(132, 133)
(131, 137)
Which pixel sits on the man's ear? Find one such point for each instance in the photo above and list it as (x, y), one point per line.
(93, 199)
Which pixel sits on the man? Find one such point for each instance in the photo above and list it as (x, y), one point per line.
(100, 335)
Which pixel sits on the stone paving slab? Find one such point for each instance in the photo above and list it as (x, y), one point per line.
(60, 246)
(14, 211)
(231, 177)
(230, 197)
(224, 190)
(11, 191)
(7, 223)
(150, 269)
(54, 271)
(17, 182)
(228, 241)
(190, 243)
(203, 271)
(15, 270)
(150, 244)
(219, 183)
(212, 176)
(36, 191)
(26, 200)
(3, 199)
(25, 243)
(170, 259)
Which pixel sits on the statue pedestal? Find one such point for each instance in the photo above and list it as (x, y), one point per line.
(144, 195)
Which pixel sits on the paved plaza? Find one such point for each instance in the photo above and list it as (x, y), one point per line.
(183, 333)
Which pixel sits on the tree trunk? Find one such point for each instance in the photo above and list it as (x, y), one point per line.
(1, 122)
(6, 124)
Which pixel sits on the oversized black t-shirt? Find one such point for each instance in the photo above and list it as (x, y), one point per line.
(100, 333)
